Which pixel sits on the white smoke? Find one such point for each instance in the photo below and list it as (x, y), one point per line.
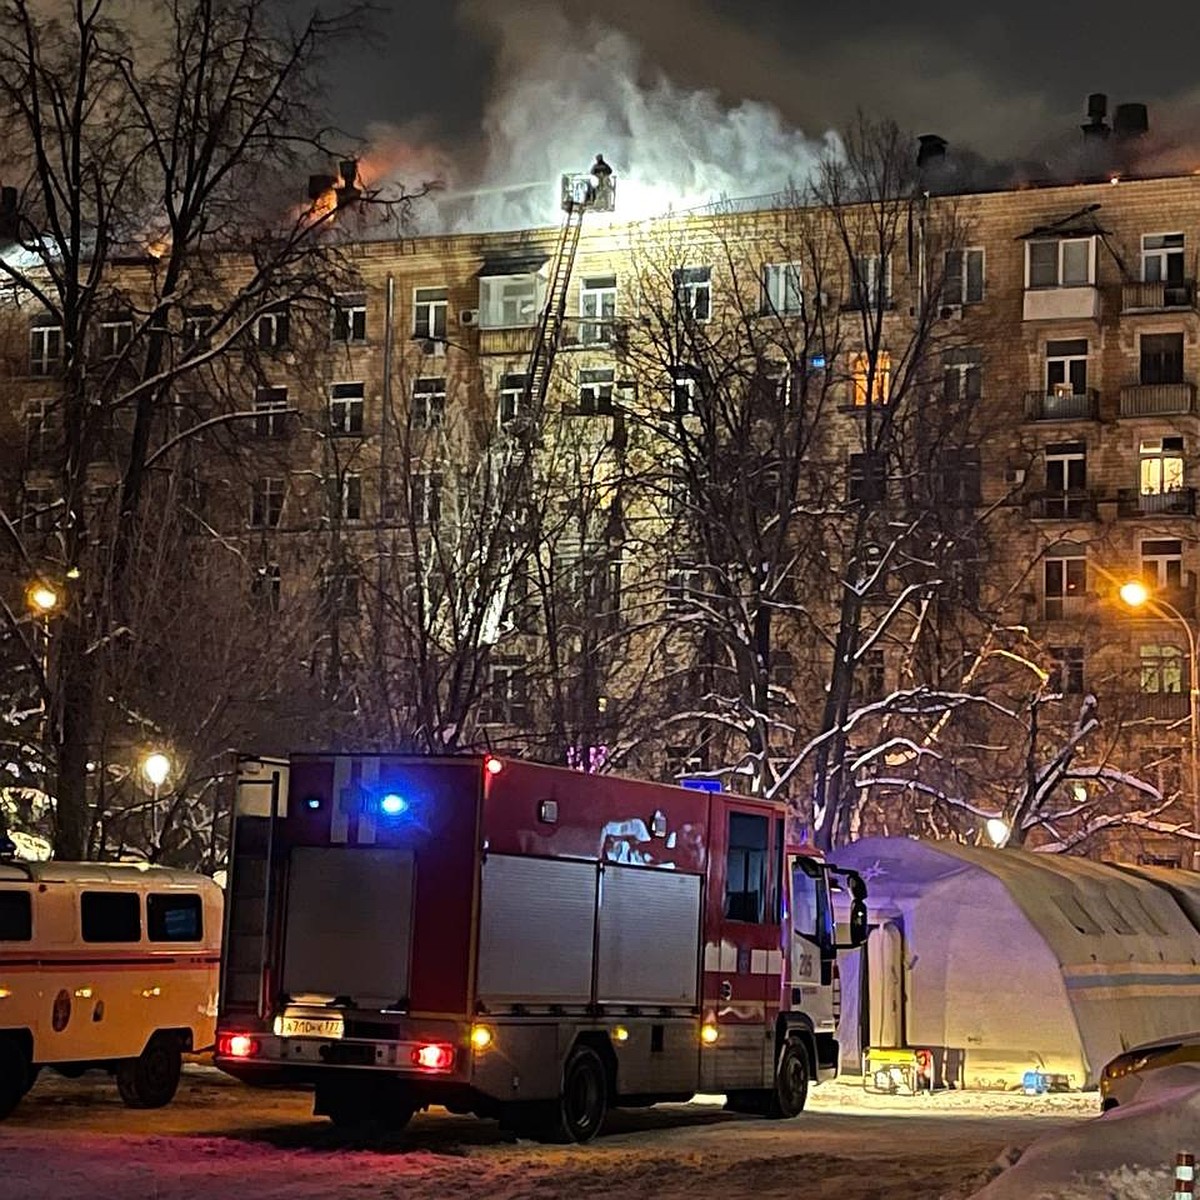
(562, 93)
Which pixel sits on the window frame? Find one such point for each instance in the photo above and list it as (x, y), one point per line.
(156, 929)
(1057, 604)
(1061, 245)
(429, 402)
(747, 853)
(596, 395)
(693, 293)
(783, 281)
(431, 313)
(128, 899)
(270, 409)
(1164, 255)
(595, 328)
(267, 500)
(964, 294)
(511, 289)
(1156, 451)
(45, 349)
(348, 319)
(345, 412)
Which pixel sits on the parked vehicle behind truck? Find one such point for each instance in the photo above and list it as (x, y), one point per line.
(105, 966)
(523, 942)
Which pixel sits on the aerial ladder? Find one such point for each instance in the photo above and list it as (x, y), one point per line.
(594, 192)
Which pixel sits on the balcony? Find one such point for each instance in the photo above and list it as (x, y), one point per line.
(516, 340)
(1158, 706)
(594, 333)
(1062, 304)
(1042, 407)
(1157, 399)
(1181, 502)
(1177, 296)
(1063, 506)
(1064, 608)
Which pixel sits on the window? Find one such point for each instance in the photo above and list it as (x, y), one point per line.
(1163, 767)
(271, 330)
(350, 318)
(1067, 670)
(1066, 367)
(865, 478)
(346, 409)
(429, 403)
(693, 293)
(679, 761)
(45, 349)
(598, 308)
(339, 592)
(114, 337)
(1161, 465)
(512, 397)
(174, 918)
(1062, 262)
(16, 916)
(1066, 475)
(872, 379)
(197, 330)
(507, 699)
(1162, 257)
(962, 375)
(746, 867)
(683, 585)
(270, 408)
(430, 306)
(683, 395)
(782, 671)
(39, 509)
(963, 279)
(872, 282)
(873, 677)
(596, 391)
(510, 301)
(1162, 563)
(426, 497)
(266, 507)
(959, 479)
(1161, 358)
(1162, 669)
(266, 586)
(41, 427)
(783, 289)
(1065, 586)
(111, 916)
(347, 499)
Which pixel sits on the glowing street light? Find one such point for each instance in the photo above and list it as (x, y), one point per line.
(997, 830)
(156, 767)
(42, 598)
(1136, 595)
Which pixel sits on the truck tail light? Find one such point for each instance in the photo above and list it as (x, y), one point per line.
(237, 1045)
(433, 1056)
(493, 766)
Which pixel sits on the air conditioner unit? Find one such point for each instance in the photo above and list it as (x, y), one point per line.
(1014, 476)
(469, 316)
(952, 312)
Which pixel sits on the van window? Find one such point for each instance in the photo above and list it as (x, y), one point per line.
(746, 867)
(174, 918)
(16, 917)
(111, 916)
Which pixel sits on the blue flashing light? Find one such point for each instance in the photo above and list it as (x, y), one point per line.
(818, 362)
(313, 803)
(393, 805)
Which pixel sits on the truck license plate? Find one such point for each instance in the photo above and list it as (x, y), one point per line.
(295, 1026)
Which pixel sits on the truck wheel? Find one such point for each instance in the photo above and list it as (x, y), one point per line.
(15, 1074)
(584, 1100)
(151, 1079)
(788, 1096)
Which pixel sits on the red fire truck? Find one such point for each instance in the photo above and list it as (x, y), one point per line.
(523, 942)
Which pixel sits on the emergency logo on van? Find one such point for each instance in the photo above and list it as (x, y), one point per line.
(62, 1011)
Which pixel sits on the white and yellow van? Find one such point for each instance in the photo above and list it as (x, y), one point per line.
(109, 966)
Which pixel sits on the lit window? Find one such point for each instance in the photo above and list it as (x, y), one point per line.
(510, 301)
(1161, 465)
(1162, 669)
(872, 378)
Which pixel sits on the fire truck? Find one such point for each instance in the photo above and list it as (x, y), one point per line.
(523, 942)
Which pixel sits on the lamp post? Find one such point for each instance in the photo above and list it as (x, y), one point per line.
(43, 601)
(1136, 595)
(156, 766)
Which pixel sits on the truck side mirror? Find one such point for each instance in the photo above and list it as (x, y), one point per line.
(858, 925)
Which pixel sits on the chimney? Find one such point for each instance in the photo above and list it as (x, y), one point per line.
(1130, 121)
(348, 190)
(318, 185)
(1097, 109)
(931, 150)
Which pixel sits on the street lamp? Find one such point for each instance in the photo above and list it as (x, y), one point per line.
(43, 601)
(156, 767)
(1135, 594)
(42, 598)
(997, 830)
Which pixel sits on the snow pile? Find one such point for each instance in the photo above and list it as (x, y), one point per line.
(1128, 1154)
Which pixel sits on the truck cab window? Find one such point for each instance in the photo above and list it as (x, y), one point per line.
(16, 918)
(111, 916)
(174, 918)
(746, 867)
(806, 912)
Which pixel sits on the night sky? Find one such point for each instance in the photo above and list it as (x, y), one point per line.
(695, 100)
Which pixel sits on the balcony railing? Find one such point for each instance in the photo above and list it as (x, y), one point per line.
(1063, 608)
(1181, 502)
(516, 340)
(1062, 304)
(1157, 399)
(599, 333)
(1063, 506)
(1158, 706)
(1158, 297)
(1084, 406)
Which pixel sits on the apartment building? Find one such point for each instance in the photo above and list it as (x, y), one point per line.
(1063, 318)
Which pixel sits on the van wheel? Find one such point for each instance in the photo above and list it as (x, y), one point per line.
(15, 1074)
(584, 1101)
(151, 1079)
(790, 1093)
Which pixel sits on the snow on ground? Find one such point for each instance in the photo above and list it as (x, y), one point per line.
(219, 1139)
(1128, 1154)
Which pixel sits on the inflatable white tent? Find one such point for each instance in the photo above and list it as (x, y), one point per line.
(1007, 961)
